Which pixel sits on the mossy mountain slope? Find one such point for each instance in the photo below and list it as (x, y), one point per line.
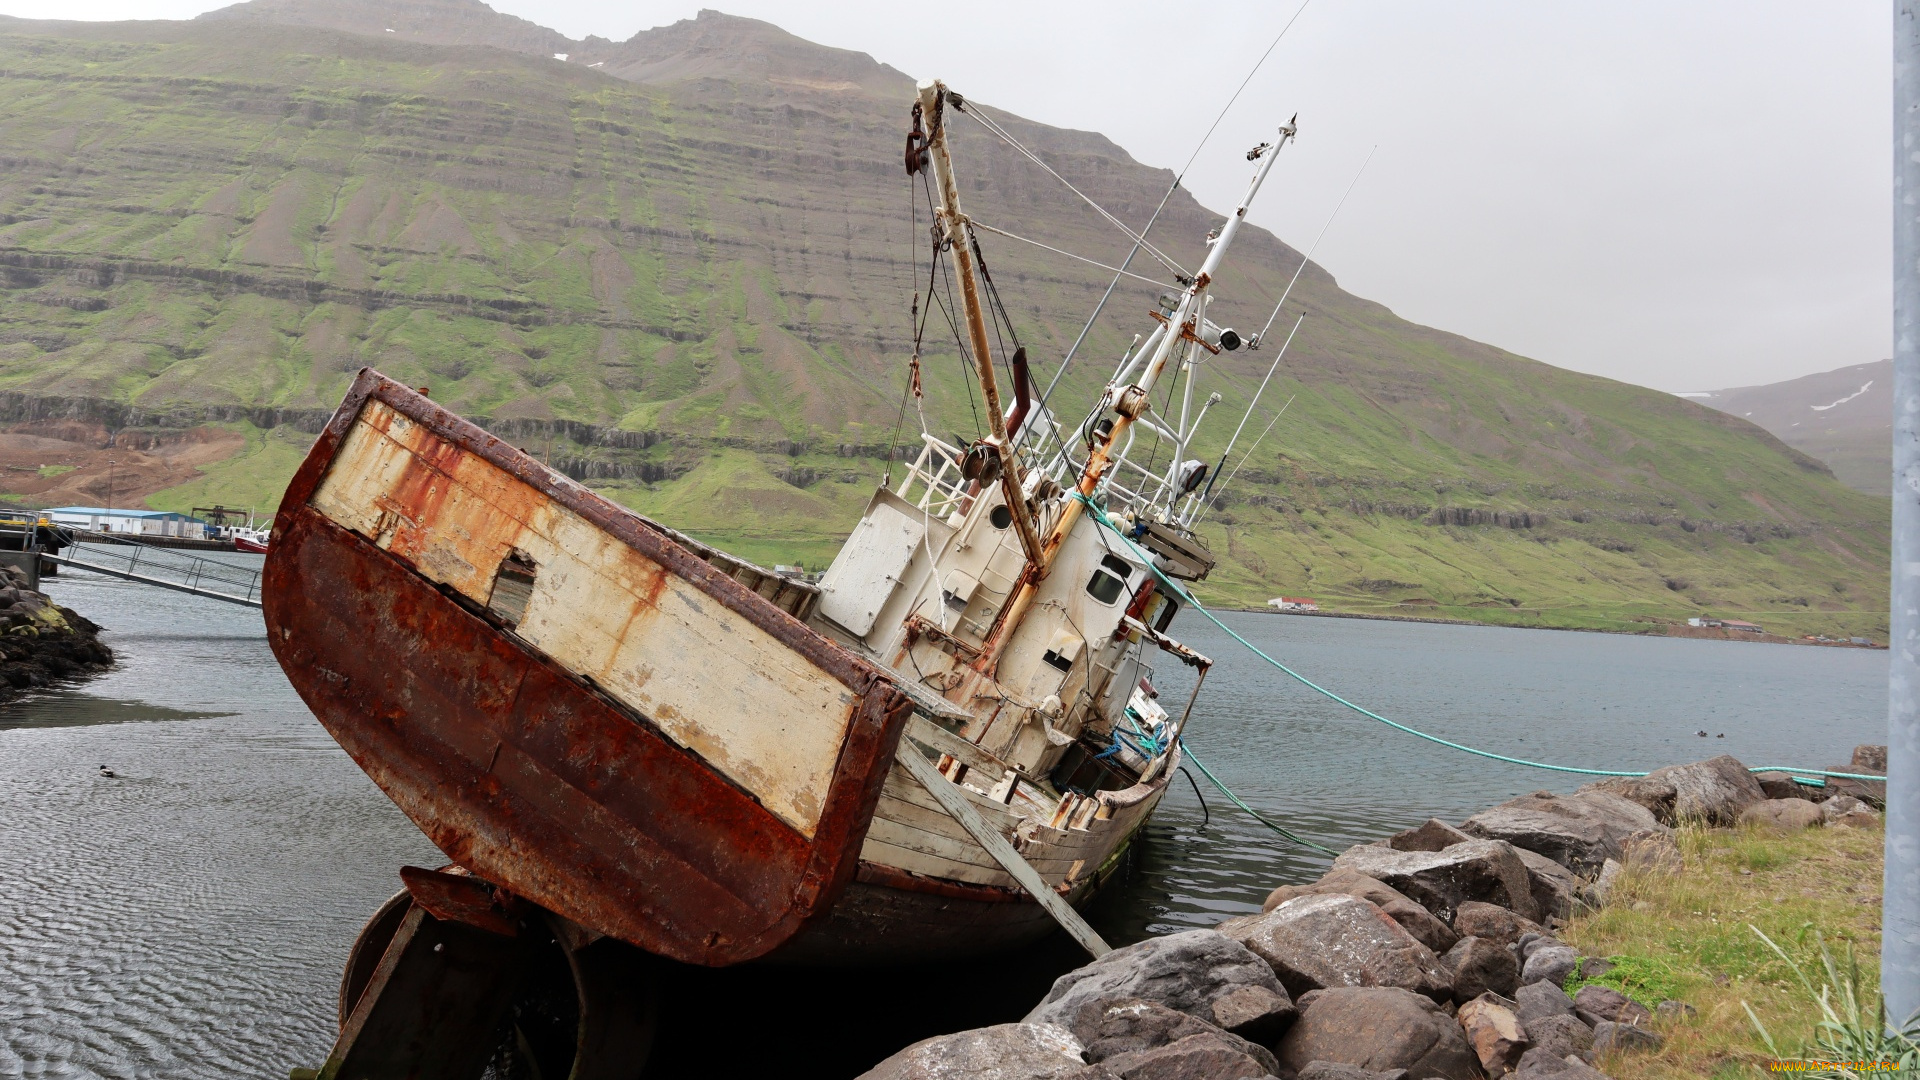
(685, 275)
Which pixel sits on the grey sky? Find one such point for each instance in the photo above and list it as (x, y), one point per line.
(1688, 196)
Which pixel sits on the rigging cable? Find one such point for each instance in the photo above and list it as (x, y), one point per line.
(1248, 456)
(999, 310)
(1206, 815)
(914, 320)
(947, 310)
(1275, 366)
(1068, 254)
(1281, 355)
(1185, 597)
(1171, 188)
(1254, 343)
(1255, 814)
(1006, 137)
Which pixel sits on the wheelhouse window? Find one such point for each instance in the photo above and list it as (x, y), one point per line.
(1109, 583)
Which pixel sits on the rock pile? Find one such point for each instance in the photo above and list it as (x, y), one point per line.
(41, 642)
(1429, 954)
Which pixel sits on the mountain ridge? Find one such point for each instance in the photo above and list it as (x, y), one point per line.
(1843, 417)
(693, 291)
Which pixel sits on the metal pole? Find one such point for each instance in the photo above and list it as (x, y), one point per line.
(933, 95)
(1900, 912)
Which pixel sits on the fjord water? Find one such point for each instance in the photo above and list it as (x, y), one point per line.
(189, 917)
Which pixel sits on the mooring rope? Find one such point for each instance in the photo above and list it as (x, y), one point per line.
(1235, 800)
(1101, 517)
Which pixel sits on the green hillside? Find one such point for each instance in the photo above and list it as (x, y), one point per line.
(692, 291)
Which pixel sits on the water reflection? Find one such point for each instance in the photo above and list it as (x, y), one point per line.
(62, 707)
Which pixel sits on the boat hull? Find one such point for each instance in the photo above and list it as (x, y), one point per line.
(596, 784)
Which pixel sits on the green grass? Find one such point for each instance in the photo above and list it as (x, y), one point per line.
(256, 477)
(1689, 936)
(1648, 980)
(50, 471)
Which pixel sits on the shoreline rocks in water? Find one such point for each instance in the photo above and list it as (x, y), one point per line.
(42, 643)
(1429, 954)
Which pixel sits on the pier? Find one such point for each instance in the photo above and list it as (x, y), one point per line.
(163, 567)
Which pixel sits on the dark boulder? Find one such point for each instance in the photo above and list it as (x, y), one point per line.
(1489, 871)
(1435, 835)
(1653, 849)
(1333, 1070)
(1492, 922)
(1867, 760)
(1559, 1035)
(1539, 1064)
(1782, 815)
(1253, 1012)
(1554, 887)
(1380, 1029)
(1779, 785)
(1673, 1012)
(1610, 1037)
(1552, 964)
(1655, 795)
(1578, 831)
(1413, 918)
(1118, 1033)
(1609, 1004)
(1712, 792)
(1001, 1052)
(1122, 1025)
(1188, 972)
(1479, 966)
(1213, 1055)
(1329, 940)
(1845, 811)
(1539, 1000)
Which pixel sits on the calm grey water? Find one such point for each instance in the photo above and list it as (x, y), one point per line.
(189, 918)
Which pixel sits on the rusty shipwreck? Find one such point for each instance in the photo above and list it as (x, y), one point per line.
(617, 733)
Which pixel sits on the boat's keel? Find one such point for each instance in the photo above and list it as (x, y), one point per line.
(454, 979)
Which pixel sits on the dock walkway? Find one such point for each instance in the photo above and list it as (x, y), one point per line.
(166, 568)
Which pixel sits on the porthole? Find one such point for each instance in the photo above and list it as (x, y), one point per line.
(1001, 516)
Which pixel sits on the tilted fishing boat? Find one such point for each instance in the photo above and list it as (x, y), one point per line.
(939, 748)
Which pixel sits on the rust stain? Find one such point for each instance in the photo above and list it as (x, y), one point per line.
(529, 774)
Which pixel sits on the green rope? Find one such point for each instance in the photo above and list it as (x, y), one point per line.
(1100, 516)
(1235, 799)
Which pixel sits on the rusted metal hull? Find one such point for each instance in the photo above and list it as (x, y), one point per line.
(608, 763)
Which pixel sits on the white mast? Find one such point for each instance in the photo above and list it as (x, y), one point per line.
(1132, 401)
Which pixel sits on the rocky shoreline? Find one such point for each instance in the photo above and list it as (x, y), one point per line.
(1432, 953)
(42, 643)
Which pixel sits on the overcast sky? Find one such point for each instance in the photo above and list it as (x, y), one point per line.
(1685, 195)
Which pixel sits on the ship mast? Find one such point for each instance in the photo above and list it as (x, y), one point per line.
(1131, 402)
(953, 222)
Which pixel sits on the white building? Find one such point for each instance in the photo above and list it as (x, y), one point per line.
(1294, 603)
(132, 522)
